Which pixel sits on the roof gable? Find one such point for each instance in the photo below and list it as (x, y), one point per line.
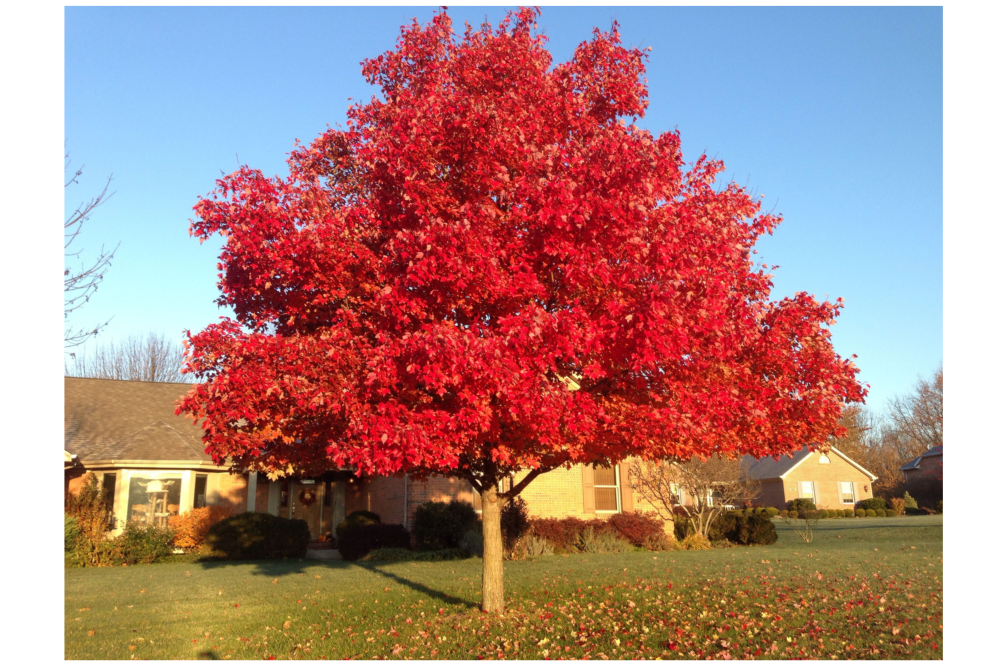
(766, 468)
(128, 420)
(933, 451)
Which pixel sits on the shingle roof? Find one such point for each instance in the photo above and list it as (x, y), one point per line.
(915, 462)
(768, 467)
(128, 420)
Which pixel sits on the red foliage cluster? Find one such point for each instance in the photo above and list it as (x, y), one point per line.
(639, 527)
(492, 269)
(564, 533)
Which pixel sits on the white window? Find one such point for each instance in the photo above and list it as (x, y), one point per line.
(606, 499)
(807, 490)
(153, 497)
(709, 501)
(824, 458)
(847, 493)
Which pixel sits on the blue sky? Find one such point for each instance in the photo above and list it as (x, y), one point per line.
(835, 114)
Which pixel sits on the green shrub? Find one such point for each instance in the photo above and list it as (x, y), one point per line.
(801, 504)
(890, 513)
(872, 504)
(912, 511)
(357, 519)
(438, 525)
(143, 544)
(256, 536)
(870, 513)
(881, 513)
(472, 543)
(745, 528)
(783, 513)
(360, 541)
(514, 522)
(940, 506)
(771, 512)
(71, 531)
(793, 514)
(909, 502)
(850, 513)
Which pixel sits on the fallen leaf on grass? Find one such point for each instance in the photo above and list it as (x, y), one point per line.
(90, 633)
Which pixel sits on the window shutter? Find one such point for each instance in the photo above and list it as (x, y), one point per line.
(589, 503)
(626, 487)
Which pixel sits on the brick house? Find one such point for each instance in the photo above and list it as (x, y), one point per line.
(154, 464)
(825, 475)
(925, 476)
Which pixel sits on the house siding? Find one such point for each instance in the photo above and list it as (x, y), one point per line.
(772, 493)
(827, 479)
(926, 482)
(556, 494)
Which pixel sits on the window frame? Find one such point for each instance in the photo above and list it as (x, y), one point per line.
(617, 487)
(853, 493)
(814, 493)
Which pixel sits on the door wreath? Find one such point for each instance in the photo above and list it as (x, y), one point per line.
(307, 497)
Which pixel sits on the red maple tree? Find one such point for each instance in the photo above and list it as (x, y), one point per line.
(492, 270)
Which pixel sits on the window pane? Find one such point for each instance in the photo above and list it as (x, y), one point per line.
(108, 488)
(153, 498)
(807, 487)
(200, 483)
(605, 499)
(604, 476)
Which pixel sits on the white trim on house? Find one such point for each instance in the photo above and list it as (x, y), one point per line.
(870, 475)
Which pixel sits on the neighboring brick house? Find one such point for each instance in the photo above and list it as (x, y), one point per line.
(825, 475)
(154, 464)
(925, 477)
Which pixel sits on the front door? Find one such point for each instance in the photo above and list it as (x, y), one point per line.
(306, 503)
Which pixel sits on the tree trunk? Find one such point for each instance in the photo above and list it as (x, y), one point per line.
(492, 551)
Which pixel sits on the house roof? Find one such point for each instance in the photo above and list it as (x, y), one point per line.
(915, 462)
(128, 421)
(768, 467)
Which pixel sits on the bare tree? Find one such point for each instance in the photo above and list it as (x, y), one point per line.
(80, 283)
(918, 417)
(882, 443)
(152, 359)
(700, 488)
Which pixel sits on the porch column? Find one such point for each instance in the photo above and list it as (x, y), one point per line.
(252, 491)
(273, 497)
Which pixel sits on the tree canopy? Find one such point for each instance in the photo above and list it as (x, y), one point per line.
(492, 269)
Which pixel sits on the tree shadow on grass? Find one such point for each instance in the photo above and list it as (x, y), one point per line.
(419, 587)
(295, 566)
(286, 567)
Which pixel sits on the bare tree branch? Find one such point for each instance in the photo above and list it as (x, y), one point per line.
(701, 489)
(80, 284)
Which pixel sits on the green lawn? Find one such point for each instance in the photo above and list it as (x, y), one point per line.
(865, 588)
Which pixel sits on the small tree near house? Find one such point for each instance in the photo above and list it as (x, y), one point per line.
(700, 488)
(492, 271)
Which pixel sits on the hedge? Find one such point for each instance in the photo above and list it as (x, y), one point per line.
(257, 536)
